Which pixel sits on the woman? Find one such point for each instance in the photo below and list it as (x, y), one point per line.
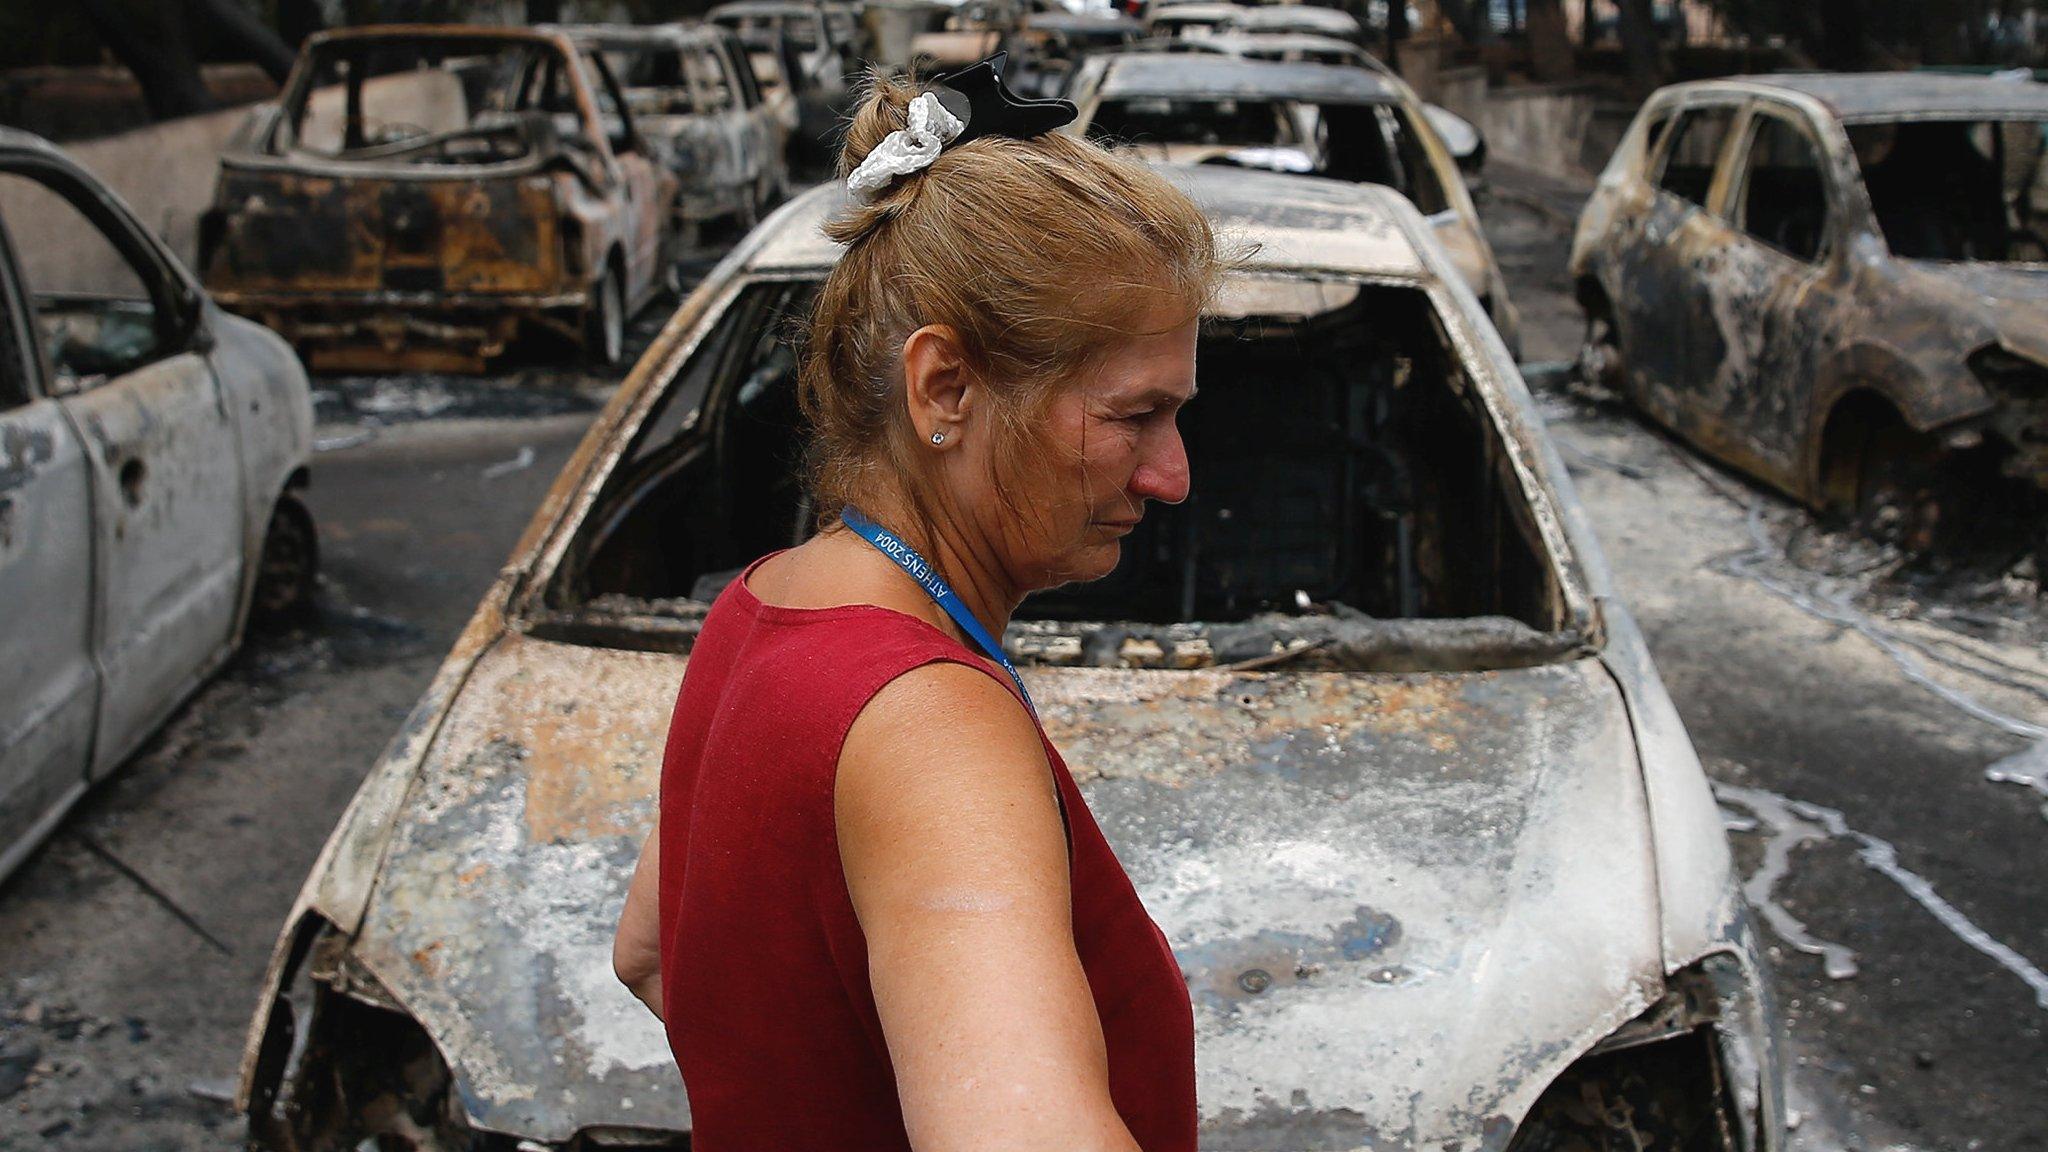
(876, 913)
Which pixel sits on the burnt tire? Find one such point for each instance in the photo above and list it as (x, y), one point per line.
(1902, 487)
(289, 568)
(604, 321)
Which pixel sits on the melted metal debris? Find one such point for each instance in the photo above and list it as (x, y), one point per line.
(1347, 641)
(2028, 768)
(1791, 823)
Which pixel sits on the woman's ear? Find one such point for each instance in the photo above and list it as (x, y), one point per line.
(936, 384)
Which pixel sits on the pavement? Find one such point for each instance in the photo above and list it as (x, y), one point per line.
(1847, 706)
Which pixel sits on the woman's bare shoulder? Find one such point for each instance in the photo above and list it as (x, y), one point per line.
(944, 772)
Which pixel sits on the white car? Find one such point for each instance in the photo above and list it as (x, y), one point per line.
(1363, 719)
(150, 445)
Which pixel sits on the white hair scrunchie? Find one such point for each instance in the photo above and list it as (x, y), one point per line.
(910, 149)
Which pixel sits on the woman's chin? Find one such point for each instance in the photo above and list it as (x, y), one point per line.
(1084, 564)
(1097, 561)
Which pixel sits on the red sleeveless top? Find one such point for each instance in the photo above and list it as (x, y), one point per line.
(763, 965)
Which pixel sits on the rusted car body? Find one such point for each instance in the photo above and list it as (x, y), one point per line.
(1343, 122)
(1837, 284)
(1363, 719)
(694, 99)
(422, 196)
(150, 448)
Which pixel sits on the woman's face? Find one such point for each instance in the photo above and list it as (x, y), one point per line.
(1117, 431)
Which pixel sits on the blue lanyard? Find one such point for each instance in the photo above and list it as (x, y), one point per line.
(891, 545)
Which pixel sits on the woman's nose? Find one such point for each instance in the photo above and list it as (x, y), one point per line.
(1162, 472)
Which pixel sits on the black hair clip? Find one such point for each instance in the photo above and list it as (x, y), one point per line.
(976, 95)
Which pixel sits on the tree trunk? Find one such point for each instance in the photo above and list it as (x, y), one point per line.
(150, 42)
(1639, 45)
(1469, 18)
(237, 29)
(1844, 45)
(1550, 43)
(1397, 30)
(543, 11)
(298, 19)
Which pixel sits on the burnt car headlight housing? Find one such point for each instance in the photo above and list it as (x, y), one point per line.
(1694, 1073)
(344, 1067)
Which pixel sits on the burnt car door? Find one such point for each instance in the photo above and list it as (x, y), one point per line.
(48, 685)
(722, 173)
(1763, 272)
(648, 188)
(1656, 283)
(122, 351)
(761, 136)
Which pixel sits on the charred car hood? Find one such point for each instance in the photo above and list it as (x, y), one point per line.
(1403, 903)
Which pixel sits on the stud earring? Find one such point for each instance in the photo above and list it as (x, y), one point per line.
(938, 437)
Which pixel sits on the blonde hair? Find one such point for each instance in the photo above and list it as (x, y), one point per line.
(1039, 254)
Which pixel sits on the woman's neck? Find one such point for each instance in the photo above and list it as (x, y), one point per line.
(967, 563)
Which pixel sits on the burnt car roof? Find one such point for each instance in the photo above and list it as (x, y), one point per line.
(438, 32)
(626, 35)
(1064, 21)
(1299, 223)
(16, 140)
(1293, 16)
(1888, 95)
(765, 8)
(1196, 13)
(1238, 40)
(1203, 74)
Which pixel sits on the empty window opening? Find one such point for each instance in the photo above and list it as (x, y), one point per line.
(1957, 189)
(1375, 143)
(1695, 147)
(89, 290)
(1344, 468)
(1784, 194)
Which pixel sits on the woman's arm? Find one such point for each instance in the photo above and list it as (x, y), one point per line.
(636, 949)
(950, 836)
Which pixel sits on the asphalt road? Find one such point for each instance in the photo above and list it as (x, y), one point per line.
(131, 947)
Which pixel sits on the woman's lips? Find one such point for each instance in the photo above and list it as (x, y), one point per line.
(1117, 525)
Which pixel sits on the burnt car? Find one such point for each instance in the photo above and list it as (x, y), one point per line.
(151, 452)
(798, 47)
(1836, 284)
(1363, 720)
(1336, 121)
(694, 100)
(420, 197)
(1460, 136)
(1052, 43)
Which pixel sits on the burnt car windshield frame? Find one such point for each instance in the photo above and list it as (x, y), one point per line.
(527, 606)
(299, 89)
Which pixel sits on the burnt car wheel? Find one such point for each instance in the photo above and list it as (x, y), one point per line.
(289, 567)
(604, 323)
(1898, 489)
